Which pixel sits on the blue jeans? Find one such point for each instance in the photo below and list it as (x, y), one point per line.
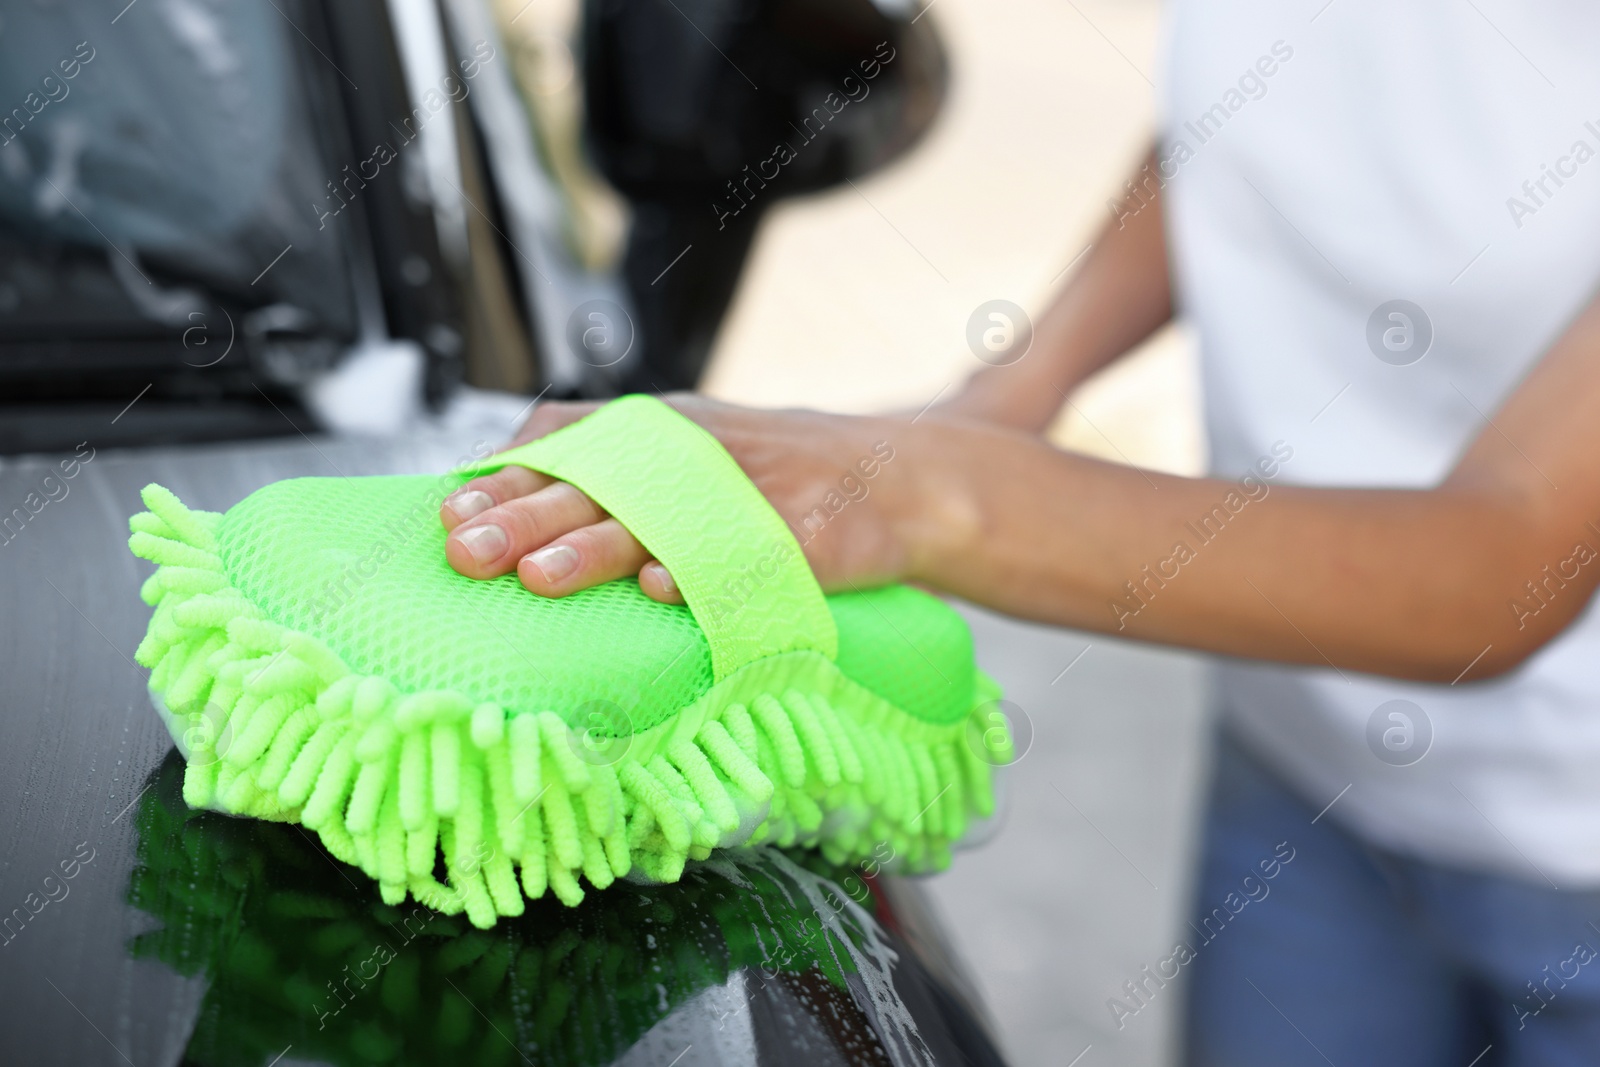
(1356, 957)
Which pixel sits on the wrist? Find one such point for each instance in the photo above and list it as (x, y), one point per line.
(985, 398)
(934, 512)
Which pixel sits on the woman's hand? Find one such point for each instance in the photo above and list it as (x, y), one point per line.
(857, 528)
(832, 478)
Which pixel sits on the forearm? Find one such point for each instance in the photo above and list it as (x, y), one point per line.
(1459, 582)
(1408, 583)
(1118, 296)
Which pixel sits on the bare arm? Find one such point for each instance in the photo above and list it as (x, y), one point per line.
(1117, 297)
(1414, 584)
(1417, 584)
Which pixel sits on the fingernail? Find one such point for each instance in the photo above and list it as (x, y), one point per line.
(663, 577)
(484, 543)
(470, 503)
(555, 562)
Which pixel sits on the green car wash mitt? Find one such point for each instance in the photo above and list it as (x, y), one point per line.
(317, 661)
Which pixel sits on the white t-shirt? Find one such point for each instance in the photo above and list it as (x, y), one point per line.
(1326, 159)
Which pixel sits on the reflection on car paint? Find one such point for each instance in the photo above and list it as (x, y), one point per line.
(756, 956)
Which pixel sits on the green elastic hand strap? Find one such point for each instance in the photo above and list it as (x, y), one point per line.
(679, 492)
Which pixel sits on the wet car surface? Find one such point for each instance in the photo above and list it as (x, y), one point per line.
(138, 931)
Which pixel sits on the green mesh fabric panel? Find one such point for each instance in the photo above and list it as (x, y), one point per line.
(909, 648)
(333, 557)
(359, 563)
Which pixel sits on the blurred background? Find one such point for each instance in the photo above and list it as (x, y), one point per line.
(367, 221)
